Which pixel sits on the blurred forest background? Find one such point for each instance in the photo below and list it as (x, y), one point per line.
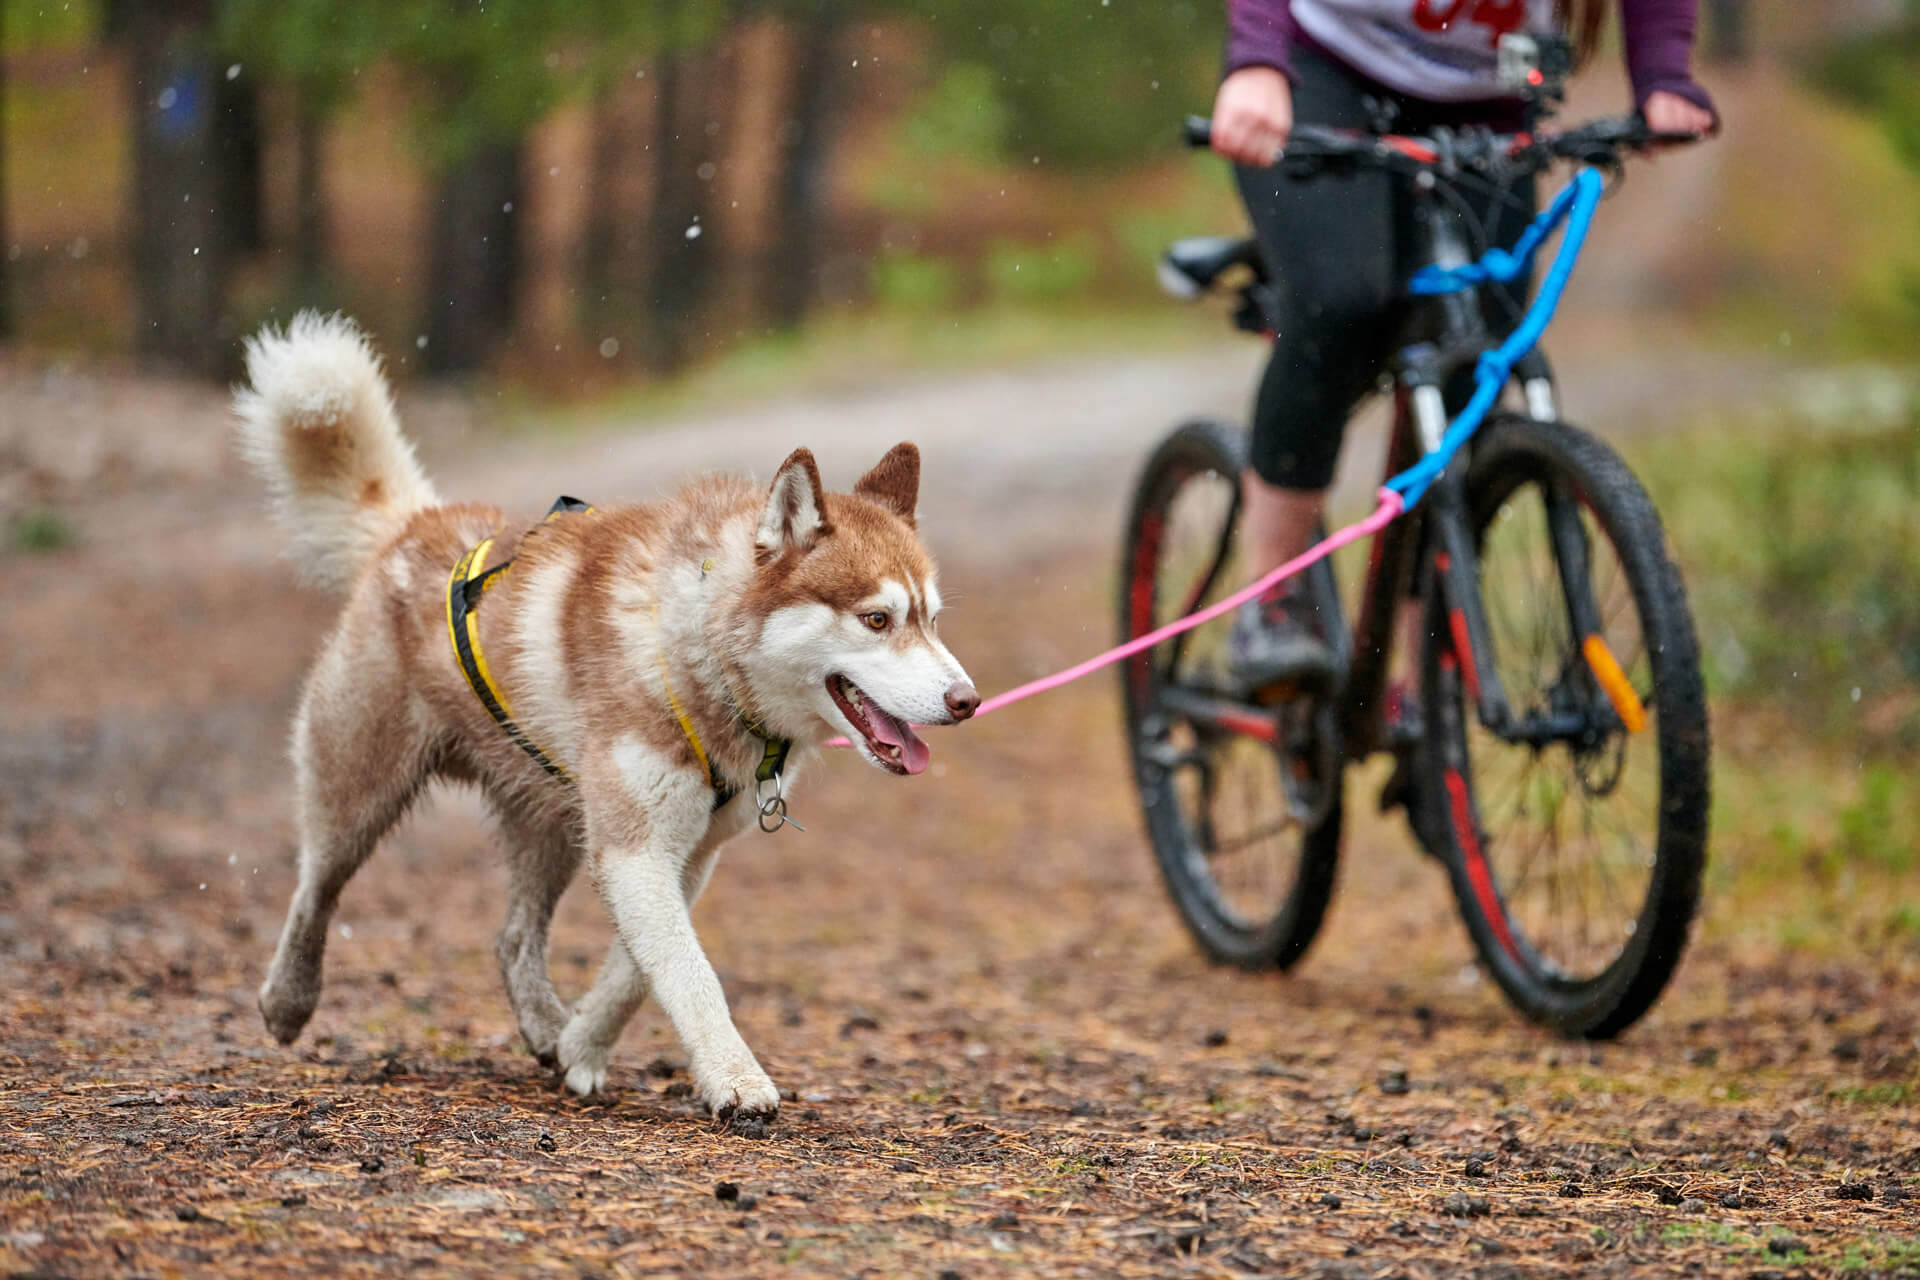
(573, 192)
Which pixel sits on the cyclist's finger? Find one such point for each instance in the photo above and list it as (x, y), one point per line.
(1225, 138)
(1238, 139)
(1670, 113)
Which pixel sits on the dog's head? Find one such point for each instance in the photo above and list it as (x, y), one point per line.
(847, 606)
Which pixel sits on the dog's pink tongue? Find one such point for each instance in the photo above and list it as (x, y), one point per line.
(898, 733)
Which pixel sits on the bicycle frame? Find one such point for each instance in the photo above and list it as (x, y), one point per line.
(1435, 537)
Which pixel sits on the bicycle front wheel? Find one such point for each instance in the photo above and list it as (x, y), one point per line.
(1242, 804)
(1575, 834)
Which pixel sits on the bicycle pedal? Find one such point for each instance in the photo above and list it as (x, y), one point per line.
(1283, 691)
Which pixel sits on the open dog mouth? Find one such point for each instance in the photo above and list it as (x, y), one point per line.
(889, 739)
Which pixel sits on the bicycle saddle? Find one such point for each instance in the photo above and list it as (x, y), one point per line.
(1190, 266)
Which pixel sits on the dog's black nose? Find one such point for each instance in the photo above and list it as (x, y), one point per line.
(962, 701)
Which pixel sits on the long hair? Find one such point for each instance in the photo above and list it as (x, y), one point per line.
(1581, 20)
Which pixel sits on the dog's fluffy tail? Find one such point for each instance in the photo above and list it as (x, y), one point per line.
(317, 422)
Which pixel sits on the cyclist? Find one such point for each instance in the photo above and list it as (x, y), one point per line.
(1334, 246)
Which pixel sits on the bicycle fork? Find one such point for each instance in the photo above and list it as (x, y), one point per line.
(1455, 562)
(1456, 566)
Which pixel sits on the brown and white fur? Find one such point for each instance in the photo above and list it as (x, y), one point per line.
(813, 611)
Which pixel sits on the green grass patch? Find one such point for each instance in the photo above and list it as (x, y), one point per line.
(39, 530)
(1887, 1093)
(1797, 532)
(1798, 537)
(1711, 1232)
(1879, 1253)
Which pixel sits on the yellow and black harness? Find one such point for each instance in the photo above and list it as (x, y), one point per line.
(469, 584)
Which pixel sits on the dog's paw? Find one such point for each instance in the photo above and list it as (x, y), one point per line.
(583, 1061)
(741, 1093)
(286, 1006)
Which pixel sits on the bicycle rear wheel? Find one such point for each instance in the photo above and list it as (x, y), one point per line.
(1575, 835)
(1242, 806)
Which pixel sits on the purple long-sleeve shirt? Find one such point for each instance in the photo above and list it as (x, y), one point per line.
(1658, 36)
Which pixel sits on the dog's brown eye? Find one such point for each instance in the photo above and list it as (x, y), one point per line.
(876, 621)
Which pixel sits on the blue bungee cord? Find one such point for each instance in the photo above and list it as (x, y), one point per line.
(1574, 205)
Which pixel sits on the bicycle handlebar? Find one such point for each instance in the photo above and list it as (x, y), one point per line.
(1312, 147)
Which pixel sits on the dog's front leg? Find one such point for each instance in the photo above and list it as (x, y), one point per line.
(652, 835)
(644, 890)
(619, 989)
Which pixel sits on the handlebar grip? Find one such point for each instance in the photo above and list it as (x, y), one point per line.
(1197, 131)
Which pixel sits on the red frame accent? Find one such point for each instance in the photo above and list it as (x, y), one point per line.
(1140, 596)
(1246, 722)
(1411, 149)
(1476, 861)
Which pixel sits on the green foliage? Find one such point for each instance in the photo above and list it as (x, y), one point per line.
(490, 68)
(914, 283)
(1041, 273)
(1880, 72)
(1086, 83)
(36, 24)
(963, 115)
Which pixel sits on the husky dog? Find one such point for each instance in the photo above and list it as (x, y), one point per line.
(629, 686)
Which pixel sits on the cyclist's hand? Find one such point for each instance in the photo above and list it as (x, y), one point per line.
(1253, 115)
(1670, 113)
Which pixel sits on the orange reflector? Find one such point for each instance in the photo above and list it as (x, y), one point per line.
(1600, 659)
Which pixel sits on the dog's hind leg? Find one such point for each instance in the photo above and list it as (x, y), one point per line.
(543, 859)
(358, 762)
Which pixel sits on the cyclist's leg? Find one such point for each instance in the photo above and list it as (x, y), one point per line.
(1329, 249)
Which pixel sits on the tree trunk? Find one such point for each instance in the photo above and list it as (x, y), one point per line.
(6, 245)
(179, 240)
(682, 233)
(800, 190)
(309, 194)
(474, 271)
(239, 136)
(600, 238)
(1727, 28)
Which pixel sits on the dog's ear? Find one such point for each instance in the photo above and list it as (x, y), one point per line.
(894, 482)
(796, 510)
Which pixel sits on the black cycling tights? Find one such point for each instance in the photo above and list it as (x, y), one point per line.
(1339, 252)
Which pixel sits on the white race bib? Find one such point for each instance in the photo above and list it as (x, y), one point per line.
(1440, 50)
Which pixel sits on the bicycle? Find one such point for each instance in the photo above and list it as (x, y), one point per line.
(1562, 776)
